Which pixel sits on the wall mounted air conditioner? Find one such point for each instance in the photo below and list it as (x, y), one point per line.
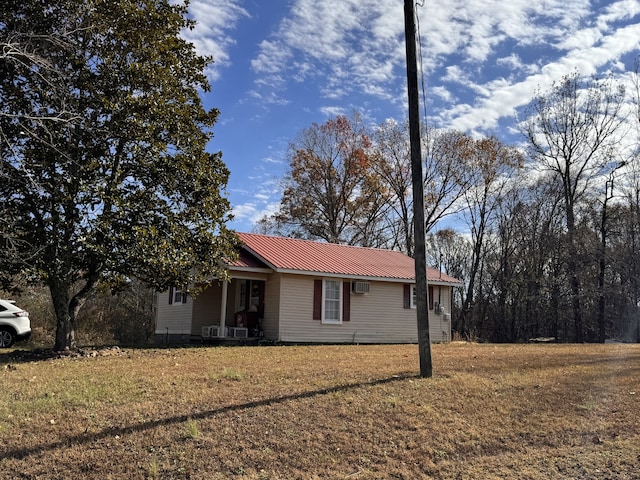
(360, 287)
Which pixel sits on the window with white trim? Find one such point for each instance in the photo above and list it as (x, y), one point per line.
(332, 301)
(177, 296)
(413, 296)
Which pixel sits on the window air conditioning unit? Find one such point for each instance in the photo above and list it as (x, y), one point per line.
(238, 332)
(210, 331)
(360, 287)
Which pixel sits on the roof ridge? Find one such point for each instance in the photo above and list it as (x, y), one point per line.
(320, 242)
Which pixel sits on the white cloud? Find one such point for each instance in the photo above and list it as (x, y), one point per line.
(211, 35)
(273, 160)
(349, 45)
(271, 58)
(252, 212)
(588, 50)
(514, 63)
(332, 111)
(622, 10)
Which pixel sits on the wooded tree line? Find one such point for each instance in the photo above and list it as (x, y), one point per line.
(546, 236)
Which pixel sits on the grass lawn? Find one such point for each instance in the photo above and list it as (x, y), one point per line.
(325, 412)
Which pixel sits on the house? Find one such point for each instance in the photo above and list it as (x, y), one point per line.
(292, 290)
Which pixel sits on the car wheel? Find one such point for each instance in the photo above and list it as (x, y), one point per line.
(6, 338)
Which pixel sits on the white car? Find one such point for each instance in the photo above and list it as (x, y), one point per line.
(14, 323)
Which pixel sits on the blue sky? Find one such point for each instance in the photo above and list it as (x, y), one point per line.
(282, 65)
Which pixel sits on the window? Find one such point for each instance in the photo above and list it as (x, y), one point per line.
(254, 299)
(410, 296)
(177, 296)
(332, 301)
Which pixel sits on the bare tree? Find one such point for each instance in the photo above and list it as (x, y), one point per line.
(571, 131)
(449, 167)
(392, 164)
(492, 165)
(446, 176)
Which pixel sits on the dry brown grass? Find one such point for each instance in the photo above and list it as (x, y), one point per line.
(325, 412)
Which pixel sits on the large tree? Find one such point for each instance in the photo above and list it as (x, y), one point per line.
(492, 166)
(104, 174)
(571, 131)
(331, 191)
(446, 177)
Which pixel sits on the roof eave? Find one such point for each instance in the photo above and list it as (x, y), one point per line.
(363, 277)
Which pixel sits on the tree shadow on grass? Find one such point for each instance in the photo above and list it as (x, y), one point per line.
(21, 453)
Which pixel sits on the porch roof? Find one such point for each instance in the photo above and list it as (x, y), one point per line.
(305, 256)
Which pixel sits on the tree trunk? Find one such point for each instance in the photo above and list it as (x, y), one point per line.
(572, 270)
(67, 308)
(576, 304)
(65, 318)
(602, 324)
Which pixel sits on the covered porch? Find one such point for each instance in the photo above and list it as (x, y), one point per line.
(230, 310)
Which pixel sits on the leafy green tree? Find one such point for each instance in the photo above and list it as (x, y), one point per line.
(104, 176)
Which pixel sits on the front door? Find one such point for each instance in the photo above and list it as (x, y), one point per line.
(252, 300)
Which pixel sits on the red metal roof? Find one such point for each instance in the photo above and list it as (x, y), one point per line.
(294, 255)
(247, 261)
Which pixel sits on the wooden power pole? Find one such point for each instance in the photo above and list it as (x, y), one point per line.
(422, 311)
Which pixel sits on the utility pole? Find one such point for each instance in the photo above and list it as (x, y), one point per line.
(422, 311)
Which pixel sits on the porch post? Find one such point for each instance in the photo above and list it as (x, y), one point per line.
(223, 309)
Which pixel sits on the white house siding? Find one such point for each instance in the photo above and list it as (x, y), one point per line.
(270, 322)
(378, 317)
(206, 309)
(173, 322)
(439, 328)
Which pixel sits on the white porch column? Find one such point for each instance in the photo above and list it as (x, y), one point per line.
(223, 309)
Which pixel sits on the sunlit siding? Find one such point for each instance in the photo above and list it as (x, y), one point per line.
(376, 317)
(270, 322)
(174, 319)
